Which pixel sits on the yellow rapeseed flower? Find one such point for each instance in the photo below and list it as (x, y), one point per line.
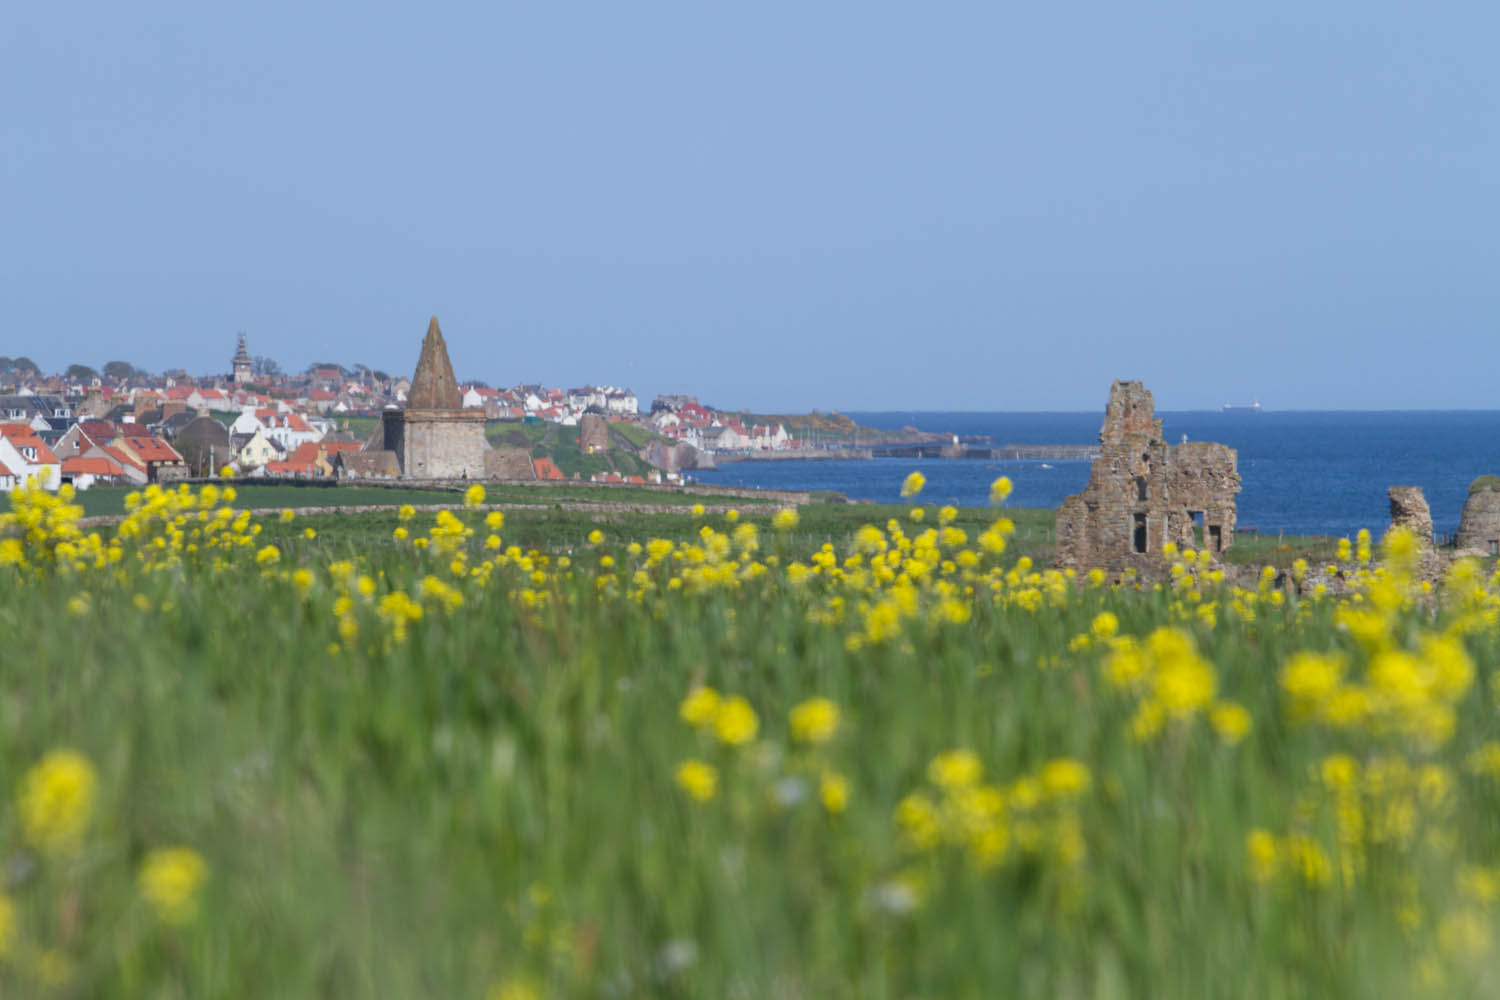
(833, 792)
(170, 880)
(56, 800)
(1104, 625)
(7, 925)
(699, 780)
(735, 722)
(699, 706)
(1064, 778)
(1000, 489)
(474, 496)
(913, 484)
(814, 720)
(955, 769)
(1230, 720)
(784, 520)
(288, 515)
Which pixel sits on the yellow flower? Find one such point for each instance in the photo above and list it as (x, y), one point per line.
(309, 533)
(169, 882)
(1230, 720)
(697, 510)
(56, 800)
(474, 496)
(494, 520)
(1261, 848)
(955, 769)
(784, 520)
(7, 924)
(735, 722)
(1000, 489)
(268, 555)
(1105, 625)
(288, 515)
(699, 706)
(1065, 778)
(399, 534)
(833, 791)
(731, 515)
(699, 780)
(913, 484)
(596, 536)
(814, 720)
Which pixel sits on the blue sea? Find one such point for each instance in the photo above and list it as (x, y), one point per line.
(1302, 472)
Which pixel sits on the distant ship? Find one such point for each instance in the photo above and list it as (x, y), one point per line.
(1252, 408)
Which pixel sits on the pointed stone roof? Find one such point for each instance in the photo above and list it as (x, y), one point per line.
(433, 387)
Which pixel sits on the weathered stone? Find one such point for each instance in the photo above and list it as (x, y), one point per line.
(1409, 510)
(593, 434)
(508, 463)
(433, 387)
(1143, 493)
(1479, 525)
(434, 437)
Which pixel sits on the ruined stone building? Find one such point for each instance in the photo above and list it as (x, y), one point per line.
(1409, 510)
(593, 434)
(1143, 493)
(1479, 525)
(434, 437)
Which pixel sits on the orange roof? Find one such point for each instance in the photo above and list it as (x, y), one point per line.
(154, 449)
(100, 466)
(296, 423)
(546, 468)
(21, 436)
(5, 470)
(124, 457)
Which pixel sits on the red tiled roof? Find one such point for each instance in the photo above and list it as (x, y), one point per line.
(5, 470)
(21, 436)
(100, 466)
(124, 457)
(154, 449)
(546, 468)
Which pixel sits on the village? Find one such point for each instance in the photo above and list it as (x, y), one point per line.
(125, 427)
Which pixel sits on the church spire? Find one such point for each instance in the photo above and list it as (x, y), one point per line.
(433, 387)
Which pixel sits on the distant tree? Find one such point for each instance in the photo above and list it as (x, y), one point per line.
(119, 369)
(478, 383)
(82, 373)
(25, 366)
(325, 364)
(381, 376)
(262, 365)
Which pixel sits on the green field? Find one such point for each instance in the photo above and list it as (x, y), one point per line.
(858, 755)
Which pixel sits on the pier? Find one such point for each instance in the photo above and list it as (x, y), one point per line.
(1001, 453)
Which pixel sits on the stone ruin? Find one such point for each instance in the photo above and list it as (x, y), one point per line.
(1479, 525)
(593, 434)
(1409, 510)
(1143, 493)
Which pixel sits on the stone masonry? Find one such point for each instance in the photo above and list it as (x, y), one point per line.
(435, 437)
(1479, 525)
(1409, 510)
(593, 434)
(1143, 493)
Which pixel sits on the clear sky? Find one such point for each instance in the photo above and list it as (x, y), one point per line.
(951, 205)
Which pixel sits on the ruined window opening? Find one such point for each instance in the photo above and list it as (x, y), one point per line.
(1196, 516)
(1142, 491)
(1495, 546)
(1140, 532)
(1216, 537)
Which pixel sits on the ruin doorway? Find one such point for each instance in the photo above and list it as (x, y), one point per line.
(1140, 533)
(1196, 517)
(1216, 537)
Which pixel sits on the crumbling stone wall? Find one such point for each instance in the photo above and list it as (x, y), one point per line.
(1479, 525)
(508, 463)
(1143, 493)
(1409, 510)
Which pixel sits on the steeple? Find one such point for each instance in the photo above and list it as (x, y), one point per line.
(241, 365)
(433, 387)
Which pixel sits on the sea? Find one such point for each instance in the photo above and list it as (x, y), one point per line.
(1301, 472)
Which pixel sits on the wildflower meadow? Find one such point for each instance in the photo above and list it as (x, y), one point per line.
(242, 758)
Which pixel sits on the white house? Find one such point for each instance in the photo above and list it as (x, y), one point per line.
(26, 458)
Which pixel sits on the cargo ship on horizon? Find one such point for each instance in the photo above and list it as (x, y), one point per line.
(1233, 408)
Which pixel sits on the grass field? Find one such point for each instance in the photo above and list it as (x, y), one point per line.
(839, 754)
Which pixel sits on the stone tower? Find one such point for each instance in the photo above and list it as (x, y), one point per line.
(241, 363)
(435, 437)
(1143, 493)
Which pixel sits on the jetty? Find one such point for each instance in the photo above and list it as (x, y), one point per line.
(991, 453)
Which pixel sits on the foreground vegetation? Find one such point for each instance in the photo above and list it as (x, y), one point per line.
(710, 755)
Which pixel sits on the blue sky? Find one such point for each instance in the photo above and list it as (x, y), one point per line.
(985, 206)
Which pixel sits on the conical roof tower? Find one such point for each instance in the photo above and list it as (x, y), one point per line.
(433, 387)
